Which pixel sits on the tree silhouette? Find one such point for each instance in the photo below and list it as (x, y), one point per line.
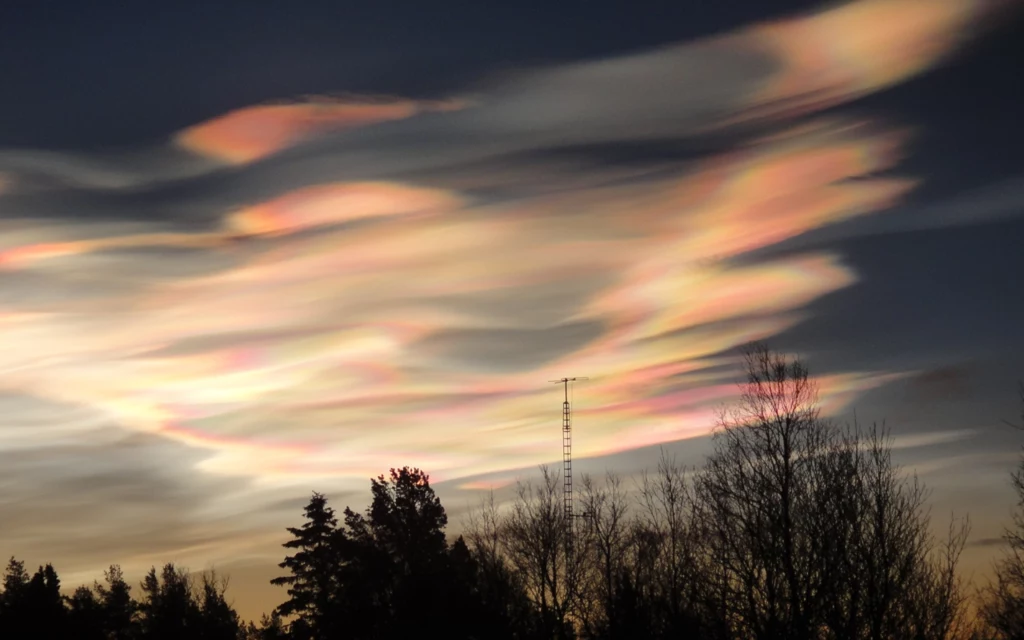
(395, 562)
(85, 615)
(217, 619)
(755, 492)
(501, 603)
(15, 603)
(120, 610)
(32, 607)
(1002, 601)
(271, 627)
(168, 609)
(536, 542)
(670, 568)
(894, 580)
(313, 580)
(814, 529)
(44, 605)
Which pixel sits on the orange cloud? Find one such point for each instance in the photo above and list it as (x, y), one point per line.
(27, 255)
(486, 485)
(19, 256)
(337, 203)
(251, 133)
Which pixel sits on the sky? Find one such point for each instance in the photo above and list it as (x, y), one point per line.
(259, 249)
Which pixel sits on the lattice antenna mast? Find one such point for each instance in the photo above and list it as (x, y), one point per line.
(567, 447)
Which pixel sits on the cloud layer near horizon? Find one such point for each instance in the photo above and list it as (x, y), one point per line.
(320, 290)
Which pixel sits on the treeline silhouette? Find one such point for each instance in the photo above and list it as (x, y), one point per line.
(795, 528)
(173, 606)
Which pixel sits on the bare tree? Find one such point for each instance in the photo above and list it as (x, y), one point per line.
(483, 533)
(757, 493)
(893, 579)
(681, 575)
(793, 529)
(812, 530)
(1002, 602)
(547, 550)
(608, 527)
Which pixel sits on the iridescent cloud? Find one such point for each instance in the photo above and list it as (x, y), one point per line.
(338, 203)
(254, 132)
(334, 352)
(858, 48)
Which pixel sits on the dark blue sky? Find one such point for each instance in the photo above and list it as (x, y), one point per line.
(103, 75)
(113, 73)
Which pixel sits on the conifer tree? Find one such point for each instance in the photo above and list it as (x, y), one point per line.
(120, 610)
(395, 560)
(85, 615)
(13, 621)
(313, 567)
(168, 609)
(44, 606)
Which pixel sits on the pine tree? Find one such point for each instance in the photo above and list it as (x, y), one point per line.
(14, 623)
(85, 615)
(407, 519)
(270, 628)
(15, 581)
(120, 610)
(313, 568)
(169, 611)
(395, 560)
(44, 605)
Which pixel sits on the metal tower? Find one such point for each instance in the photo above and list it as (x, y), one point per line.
(567, 447)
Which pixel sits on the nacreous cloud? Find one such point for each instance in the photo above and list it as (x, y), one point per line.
(333, 288)
(254, 132)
